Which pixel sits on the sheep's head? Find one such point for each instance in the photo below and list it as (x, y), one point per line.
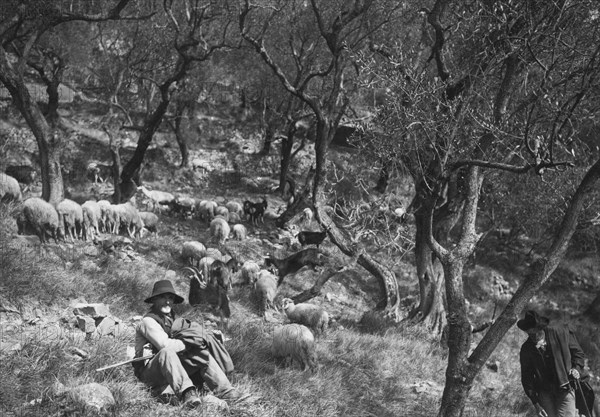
(286, 303)
(197, 275)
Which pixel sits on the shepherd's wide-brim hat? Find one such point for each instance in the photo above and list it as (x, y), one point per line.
(532, 320)
(164, 287)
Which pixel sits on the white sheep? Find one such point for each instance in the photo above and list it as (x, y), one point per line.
(239, 231)
(92, 214)
(307, 314)
(70, 216)
(192, 252)
(206, 209)
(214, 253)
(222, 212)
(295, 342)
(265, 289)
(40, 216)
(129, 217)
(158, 199)
(150, 221)
(235, 207)
(250, 272)
(219, 230)
(234, 218)
(104, 218)
(10, 190)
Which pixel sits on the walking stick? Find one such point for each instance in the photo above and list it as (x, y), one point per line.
(578, 386)
(141, 358)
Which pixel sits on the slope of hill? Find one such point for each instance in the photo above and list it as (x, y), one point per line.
(364, 368)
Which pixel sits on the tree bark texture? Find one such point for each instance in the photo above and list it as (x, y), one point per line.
(462, 370)
(390, 300)
(48, 137)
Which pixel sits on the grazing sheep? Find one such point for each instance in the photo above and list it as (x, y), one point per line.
(158, 199)
(41, 217)
(206, 209)
(104, 217)
(24, 174)
(239, 231)
(150, 221)
(234, 207)
(295, 342)
(294, 262)
(265, 289)
(193, 251)
(310, 315)
(92, 213)
(250, 271)
(129, 218)
(9, 188)
(70, 217)
(219, 230)
(234, 218)
(222, 212)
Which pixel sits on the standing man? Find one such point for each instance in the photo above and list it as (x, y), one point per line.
(186, 355)
(549, 356)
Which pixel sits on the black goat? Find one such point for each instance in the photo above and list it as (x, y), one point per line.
(23, 173)
(202, 290)
(293, 263)
(255, 211)
(311, 238)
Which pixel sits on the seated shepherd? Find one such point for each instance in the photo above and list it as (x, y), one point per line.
(186, 354)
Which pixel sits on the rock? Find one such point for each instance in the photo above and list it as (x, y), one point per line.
(93, 395)
(86, 324)
(106, 326)
(493, 365)
(95, 311)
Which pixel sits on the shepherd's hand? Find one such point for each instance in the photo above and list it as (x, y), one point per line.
(574, 373)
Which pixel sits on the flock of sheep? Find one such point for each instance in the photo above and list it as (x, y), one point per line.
(212, 271)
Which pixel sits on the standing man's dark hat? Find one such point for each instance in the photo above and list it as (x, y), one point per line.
(164, 287)
(532, 320)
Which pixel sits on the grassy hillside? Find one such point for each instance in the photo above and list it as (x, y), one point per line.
(365, 369)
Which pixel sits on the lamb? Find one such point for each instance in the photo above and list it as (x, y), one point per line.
(157, 198)
(219, 230)
(265, 289)
(250, 271)
(40, 216)
(70, 217)
(307, 314)
(311, 238)
(239, 231)
(193, 251)
(9, 188)
(150, 221)
(294, 262)
(92, 213)
(295, 342)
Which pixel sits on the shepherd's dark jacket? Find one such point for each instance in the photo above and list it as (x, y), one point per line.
(567, 355)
